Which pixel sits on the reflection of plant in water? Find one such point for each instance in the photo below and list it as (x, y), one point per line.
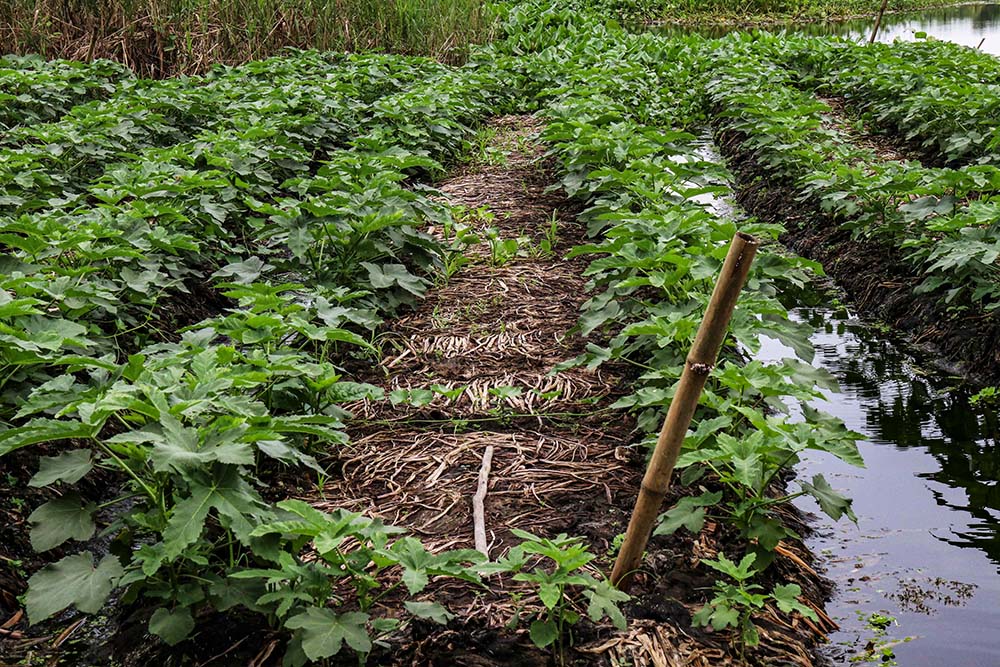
(911, 410)
(878, 650)
(988, 398)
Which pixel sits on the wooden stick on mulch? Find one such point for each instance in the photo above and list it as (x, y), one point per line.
(478, 507)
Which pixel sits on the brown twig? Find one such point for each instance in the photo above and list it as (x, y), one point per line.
(478, 506)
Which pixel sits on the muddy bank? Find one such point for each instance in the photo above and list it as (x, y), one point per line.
(736, 21)
(876, 277)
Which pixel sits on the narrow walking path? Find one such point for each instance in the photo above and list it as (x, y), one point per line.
(843, 120)
(485, 343)
(489, 418)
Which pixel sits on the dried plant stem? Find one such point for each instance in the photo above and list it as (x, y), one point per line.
(700, 362)
(162, 38)
(478, 503)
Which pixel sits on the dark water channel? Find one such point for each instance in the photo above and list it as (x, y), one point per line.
(970, 25)
(927, 548)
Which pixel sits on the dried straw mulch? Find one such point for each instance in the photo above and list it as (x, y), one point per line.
(561, 461)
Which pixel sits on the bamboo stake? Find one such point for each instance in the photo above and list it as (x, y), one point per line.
(878, 21)
(478, 504)
(700, 361)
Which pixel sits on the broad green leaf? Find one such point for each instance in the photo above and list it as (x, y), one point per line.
(431, 611)
(187, 520)
(172, 627)
(831, 502)
(689, 512)
(550, 594)
(324, 632)
(228, 592)
(415, 580)
(787, 597)
(690, 517)
(768, 531)
(604, 599)
(741, 572)
(245, 272)
(703, 616)
(61, 519)
(72, 581)
(69, 467)
(387, 275)
(543, 633)
(723, 616)
(180, 447)
(238, 505)
(43, 430)
(506, 392)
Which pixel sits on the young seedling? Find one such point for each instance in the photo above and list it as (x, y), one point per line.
(735, 603)
(555, 585)
(502, 250)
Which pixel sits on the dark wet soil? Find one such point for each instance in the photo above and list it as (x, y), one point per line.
(876, 278)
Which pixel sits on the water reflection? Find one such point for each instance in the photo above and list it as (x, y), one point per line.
(928, 501)
(906, 409)
(970, 25)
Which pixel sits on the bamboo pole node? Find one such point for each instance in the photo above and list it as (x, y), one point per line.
(699, 364)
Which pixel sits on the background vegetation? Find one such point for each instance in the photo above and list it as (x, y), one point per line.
(747, 12)
(166, 37)
(160, 38)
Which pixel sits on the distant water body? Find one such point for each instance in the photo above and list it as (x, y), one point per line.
(974, 25)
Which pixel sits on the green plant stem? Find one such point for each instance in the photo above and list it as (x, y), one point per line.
(150, 492)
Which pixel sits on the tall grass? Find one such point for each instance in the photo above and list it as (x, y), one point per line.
(165, 37)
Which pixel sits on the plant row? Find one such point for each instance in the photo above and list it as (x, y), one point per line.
(941, 222)
(937, 96)
(181, 292)
(612, 123)
(186, 332)
(52, 164)
(33, 90)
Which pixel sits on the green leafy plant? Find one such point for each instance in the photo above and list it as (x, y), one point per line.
(355, 554)
(986, 395)
(187, 265)
(734, 603)
(939, 222)
(457, 237)
(879, 648)
(557, 584)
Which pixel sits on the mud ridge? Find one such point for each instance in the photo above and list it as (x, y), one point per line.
(876, 277)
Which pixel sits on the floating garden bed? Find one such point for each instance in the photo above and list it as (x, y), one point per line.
(356, 357)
